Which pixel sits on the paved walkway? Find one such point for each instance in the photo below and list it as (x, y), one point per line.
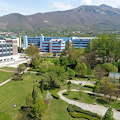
(99, 109)
(12, 77)
(8, 71)
(78, 82)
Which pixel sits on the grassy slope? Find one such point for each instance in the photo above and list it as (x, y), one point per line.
(58, 111)
(58, 108)
(5, 75)
(9, 68)
(15, 92)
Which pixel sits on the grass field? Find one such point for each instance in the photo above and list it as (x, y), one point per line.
(15, 92)
(90, 99)
(58, 111)
(9, 68)
(5, 75)
(75, 86)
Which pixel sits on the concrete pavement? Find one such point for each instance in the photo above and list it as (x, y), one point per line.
(99, 109)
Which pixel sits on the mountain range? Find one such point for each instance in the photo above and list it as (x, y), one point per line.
(91, 17)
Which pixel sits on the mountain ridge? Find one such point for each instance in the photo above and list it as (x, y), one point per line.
(83, 17)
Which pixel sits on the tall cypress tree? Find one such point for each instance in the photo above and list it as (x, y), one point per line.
(108, 115)
(34, 95)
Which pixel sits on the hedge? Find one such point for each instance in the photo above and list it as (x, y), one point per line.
(89, 86)
(82, 115)
(74, 108)
(35, 70)
(54, 93)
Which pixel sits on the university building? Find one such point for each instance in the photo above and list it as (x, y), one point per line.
(8, 49)
(55, 44)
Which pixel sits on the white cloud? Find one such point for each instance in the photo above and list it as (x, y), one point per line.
(86, 2)
(62, 6)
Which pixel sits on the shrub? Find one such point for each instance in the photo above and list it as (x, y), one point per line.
(54, 93)
(18, 78)
(73, 108)
(88, 78)
(82, 115)
(35, 70)
(4, 116)
(89, 86)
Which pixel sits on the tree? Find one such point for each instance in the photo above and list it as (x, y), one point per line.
(50, 80)
(81, 88)
(29, 101)
(33, 52)
(91, 58)
(38, 109)
(69, 51)
(71, 73)
(110, 67)
(81, 69)
(99, 72)
(64, 62)
(69, 55)
(20, 68)
(107, 47)
(60, 73)
(5, 116)
(45, 65)
(106, 87)
(41, 85)
(69, 87)
(34, 95)
(108, 115)
(89, 70)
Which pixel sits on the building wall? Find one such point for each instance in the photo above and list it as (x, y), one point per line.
(15, 48)
(8, 50)
(57, 46)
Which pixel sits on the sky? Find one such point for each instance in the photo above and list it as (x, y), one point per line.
(28, 7)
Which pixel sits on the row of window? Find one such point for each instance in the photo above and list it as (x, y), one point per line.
(5, 45)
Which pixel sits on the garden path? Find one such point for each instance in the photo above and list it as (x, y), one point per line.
(99, 109)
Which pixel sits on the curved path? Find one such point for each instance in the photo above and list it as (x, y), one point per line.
(99, 109)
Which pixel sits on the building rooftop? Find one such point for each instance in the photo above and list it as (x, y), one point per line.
(13, 37)
(2, 37)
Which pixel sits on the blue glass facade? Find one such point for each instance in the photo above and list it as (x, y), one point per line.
(55, 44)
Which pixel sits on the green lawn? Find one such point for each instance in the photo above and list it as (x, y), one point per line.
(58, 111)
(5, 75)
(9, 68)
(90, 99)
(15, 92)
(75, 86)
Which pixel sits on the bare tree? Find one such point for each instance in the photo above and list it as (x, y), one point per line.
(99, 72)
